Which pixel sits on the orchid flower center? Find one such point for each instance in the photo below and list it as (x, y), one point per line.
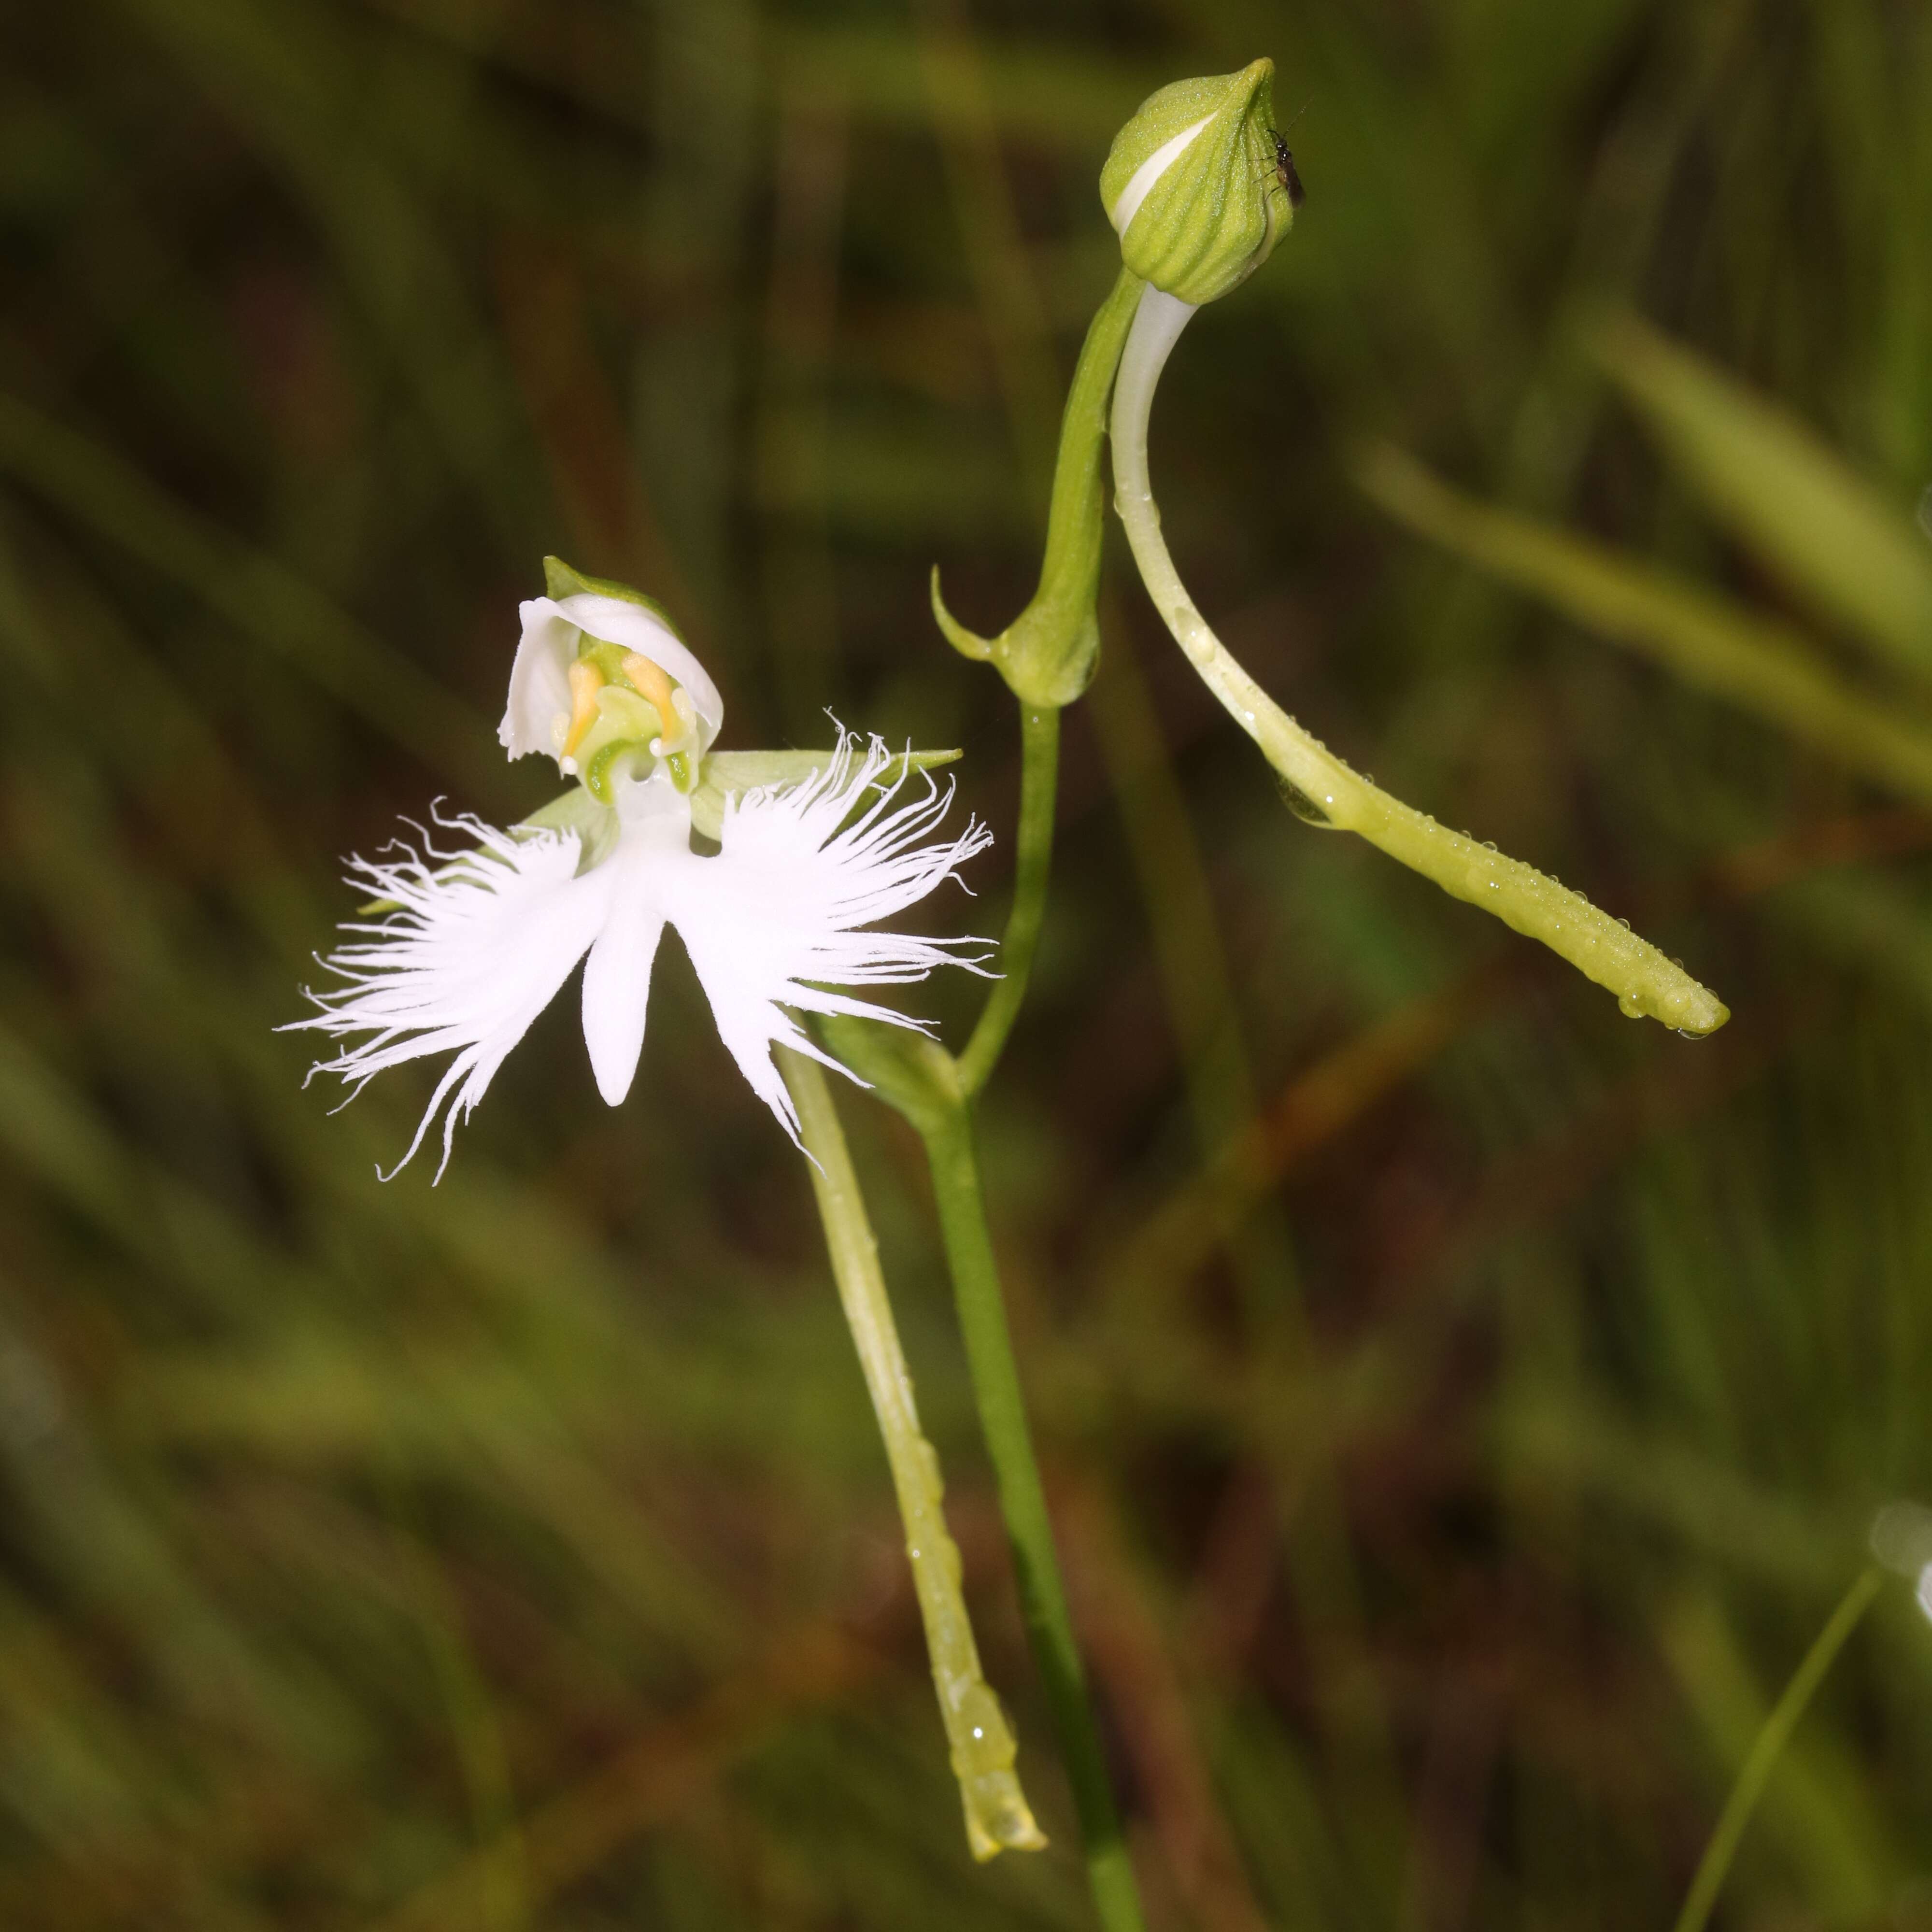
(625, 709)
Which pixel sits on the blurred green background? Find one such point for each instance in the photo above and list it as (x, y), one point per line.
(1461, 1406)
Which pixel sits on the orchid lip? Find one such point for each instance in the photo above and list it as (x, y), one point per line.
(776, 923)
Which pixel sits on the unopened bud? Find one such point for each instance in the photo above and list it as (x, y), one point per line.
(1195, 184)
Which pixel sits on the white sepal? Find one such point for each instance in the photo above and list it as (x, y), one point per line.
(638, 629)
(539, 702)
(537, 714)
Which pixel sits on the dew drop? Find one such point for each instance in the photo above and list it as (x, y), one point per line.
(1298, 801)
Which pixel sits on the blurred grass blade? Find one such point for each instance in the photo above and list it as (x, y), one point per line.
(1755, 1772)
(1835, 537)
(1712, 645)
(289, 75)
(263, 598)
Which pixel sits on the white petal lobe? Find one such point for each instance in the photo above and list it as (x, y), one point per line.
(655, 833)
(480, 942)
(772, 920)
(616, 991)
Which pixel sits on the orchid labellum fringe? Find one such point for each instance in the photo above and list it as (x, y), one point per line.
(1323, 790)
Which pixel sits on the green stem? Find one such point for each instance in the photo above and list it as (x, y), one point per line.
(1771, 1740)
(948, 1133)
(1039, 780)
(997, 1816)
(1047, 654)
(1320, 787)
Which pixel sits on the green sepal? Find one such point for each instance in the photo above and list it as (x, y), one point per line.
(560, 581)
(1215, 214)
(911, 1073)
(725, 774)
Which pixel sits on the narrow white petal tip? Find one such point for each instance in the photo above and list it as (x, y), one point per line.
(617, 974)
(614, 1083)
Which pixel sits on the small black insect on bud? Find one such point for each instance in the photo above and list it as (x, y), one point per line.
(1285, 173)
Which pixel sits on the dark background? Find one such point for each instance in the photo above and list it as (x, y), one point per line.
(1444, 1505)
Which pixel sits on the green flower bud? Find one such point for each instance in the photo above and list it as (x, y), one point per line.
(1195, 186)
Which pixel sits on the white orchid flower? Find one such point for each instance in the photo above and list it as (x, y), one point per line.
(481, 940)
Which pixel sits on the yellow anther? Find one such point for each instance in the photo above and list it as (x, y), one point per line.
(649, 681)
(585, 681)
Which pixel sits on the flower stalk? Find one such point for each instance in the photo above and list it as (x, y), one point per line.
(1048, 653)
(1322, 788)
(923, 1082)
(981, 1740)
(1032, 865)
(1002, 1405)
(934, 1091)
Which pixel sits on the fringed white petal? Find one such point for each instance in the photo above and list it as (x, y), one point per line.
(772, 919)
(480, 942)
(483, 939)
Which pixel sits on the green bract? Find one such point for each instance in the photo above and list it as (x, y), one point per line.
(1191, 184)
